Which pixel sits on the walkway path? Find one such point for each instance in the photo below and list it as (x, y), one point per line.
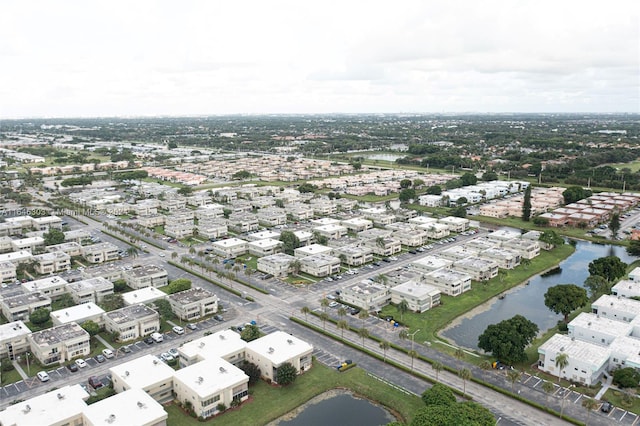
(18, 367)
(104, 342)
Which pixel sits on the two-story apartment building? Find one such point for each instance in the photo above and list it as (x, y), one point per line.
(60, 343)
(13, 339)
(146, 276)
(132, 322)
(99, 253)
(50, 263)
(90, 290)
(194, 303)
(20, 306)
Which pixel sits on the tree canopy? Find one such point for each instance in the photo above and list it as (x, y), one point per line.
(438, 394)
(91, 327)
(179, 284)
(468, 179)
(551, 238)
(565, 298)
(290, 241)
(40, 316)
(508, 339)
(250, 332)
(53, 237)
(461, 414)
(626, 377)
(633, 249)
(609, 267)
(575, 193)
(596, 286)
(286, 374)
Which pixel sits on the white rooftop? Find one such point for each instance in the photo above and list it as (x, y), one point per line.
(219, 344)
(590, 321)
(144, 371)
(627, 346)
(230, 242)
(618, 303)
(576, 349)
(279, 347)
(627, 288)
(44, 283)
(77, 313)
(143, 295)
(210, 376)
(415, 289)
(432, 263)
(56, 407)
(13, 329)
(129, 408)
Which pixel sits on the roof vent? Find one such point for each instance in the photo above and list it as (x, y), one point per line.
(201, 344)
(111, 418)
(141, 405)
(155, 361)
(223, 370)
(271, 350)
(60, 396)
(126, 373)
(200, 380)
(289, 341)
(27, 408)
(222, 337)
(562, 349)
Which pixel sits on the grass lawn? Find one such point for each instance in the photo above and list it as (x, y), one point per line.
(435, 319)
(615, 397)
(269, 402)
(11, 376)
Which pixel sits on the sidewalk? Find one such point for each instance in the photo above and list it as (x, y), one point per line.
(104, 342)
(604, 388)
(20, 370)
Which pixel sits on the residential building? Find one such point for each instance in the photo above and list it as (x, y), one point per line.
(230, 248)
(430, 263)
(212, 228)
(311, 249)
(243, 222)
(479, 269)
(354, 255)
(384, 246)
(13, 339)
(506, 259)
(586, 362)
(60, 343)
(367, 294)
(272, 217)
(419, 297)
(52, 287)
(16, 257)
(265, 247)
(147, 373)
(263, 235)
(528, 249)
(101, 252)
(30, 244)
(90, 290)
(271, 351)
(49, 263)
(146, 276)
(332, 232)
(615, 307)
(598, 330)
(131, 407)
(225, 344)
(627, 288)
(455, 224)
(319, 265)
(7, 272)
(20, 306)
(459, 252)
(209, 384)
(132, 322)
(62, 406)
(70, 248)
(435, 231)
(144, 295)
(278, 265)
(78, 314)
(194, 303)
(357, 224)
(451, 283)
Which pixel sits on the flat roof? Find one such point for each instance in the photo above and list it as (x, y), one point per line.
(145, 271)
(44, 283)
(448, 275)
(476, 262)
(313, 249)
(95, 283)
(265, 243)
(143, 295)
(277, 258)
(590, 321)
(59, 333)
(144, 371)
(210, 376)
(279, 347)
(131, 407)
(415, 289)
(576, 349)
(219, 344)
(432, 262)
(627, 345)
(618, 303)
(129, 313)
(55, 407)
(12, 330)
(78, 312)
(192, 295)
(230, 242)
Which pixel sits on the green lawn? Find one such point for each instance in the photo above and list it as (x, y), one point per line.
(430, 322)
(615, 397)
(267, 403)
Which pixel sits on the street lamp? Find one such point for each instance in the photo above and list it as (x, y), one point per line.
(412, 334)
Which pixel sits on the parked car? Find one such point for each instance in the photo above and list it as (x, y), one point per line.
(108, 353)
(73, 367)
(95, 383)
(174, 352)
(148, 341)
(100, 358)
(218, 318)
(126, 349)
(178, 330)
(167, 357)
(606, 407)
(81, 363)
(43, 376)
(333, 304)
(191, 326)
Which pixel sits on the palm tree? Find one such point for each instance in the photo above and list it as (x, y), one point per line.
(562, 360)
(174, 255)
(363, 315)
(324, 302)
(547, 387)
(324, 317)
(132, 251)
(342, 325)
(513, 376)
(192, 250)
(525, 262)
(382, 279)
(485, 365)
(237, 268)
(403, 307)
(413, 354)
(459, 354)
(305, 310)
(364, 333)
(384, 345)
(465, 375)
(342, 312)
(437, 367)
(403, 334)
(589, 404)
(295, 266)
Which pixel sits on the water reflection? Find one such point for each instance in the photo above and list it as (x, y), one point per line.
(528, 300)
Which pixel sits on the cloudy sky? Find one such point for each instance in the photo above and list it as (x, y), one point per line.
(140, 58)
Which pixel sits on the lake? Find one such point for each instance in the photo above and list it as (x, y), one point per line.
(528, 300)
(385, 157)
(337, 408)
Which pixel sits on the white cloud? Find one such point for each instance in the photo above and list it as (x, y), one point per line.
(77, 58)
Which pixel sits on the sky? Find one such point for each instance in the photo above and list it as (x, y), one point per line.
(146, 58)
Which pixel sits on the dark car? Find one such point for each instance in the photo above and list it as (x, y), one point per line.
(100, 358)
(95, 383)
(218, 318)
(72, 367)
(384, 259)
(148, 341)
(606, 407)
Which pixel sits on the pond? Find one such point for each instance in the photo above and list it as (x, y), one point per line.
(528, 300)
(337, 408)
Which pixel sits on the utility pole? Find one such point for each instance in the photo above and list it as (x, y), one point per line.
(412, 334)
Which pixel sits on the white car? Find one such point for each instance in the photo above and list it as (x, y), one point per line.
(108, 353)
(167, 357)
(81, 363)
(43, 376)
(178, 330)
